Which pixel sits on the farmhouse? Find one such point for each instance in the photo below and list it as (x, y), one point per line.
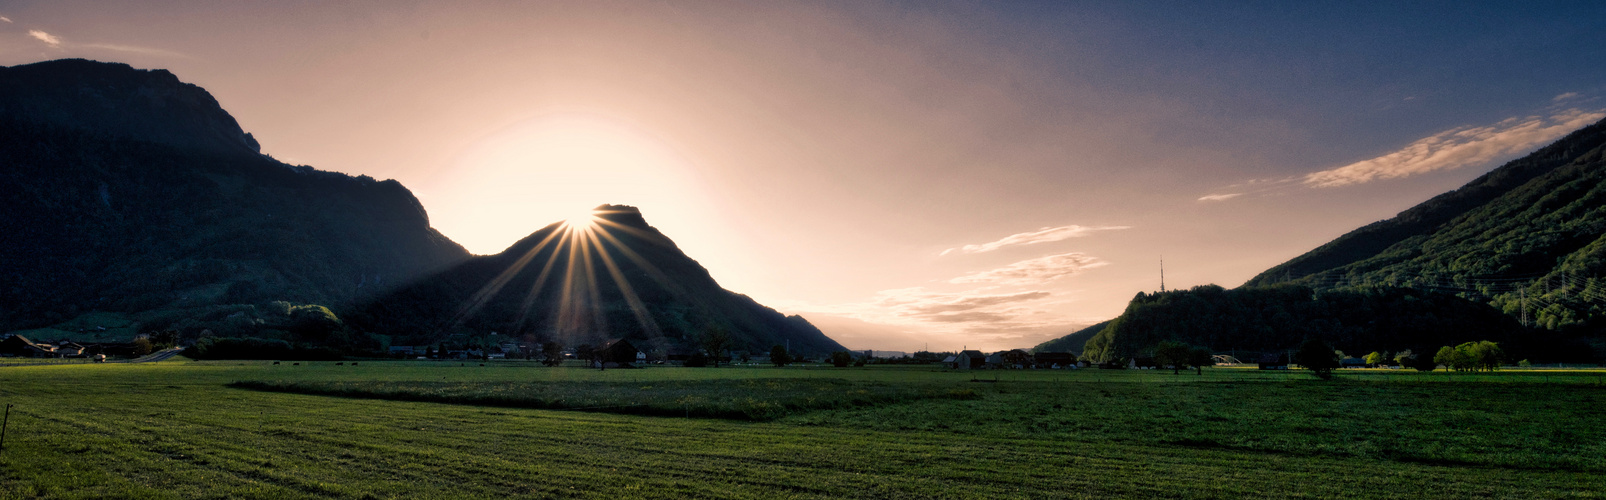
(970, 359)
(20, 346)
(617, 353)
(1054, 360)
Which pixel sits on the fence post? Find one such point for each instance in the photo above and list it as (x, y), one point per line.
(3, 425)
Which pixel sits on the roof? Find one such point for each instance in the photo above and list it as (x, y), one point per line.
(972, 353)
(950, 359)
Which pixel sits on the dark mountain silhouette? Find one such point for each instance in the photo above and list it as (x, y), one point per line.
(129, 191)
(619, 278)
(131, 197)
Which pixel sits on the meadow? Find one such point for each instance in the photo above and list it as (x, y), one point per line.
(183, 429)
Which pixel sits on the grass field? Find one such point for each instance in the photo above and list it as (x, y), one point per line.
(179, 430)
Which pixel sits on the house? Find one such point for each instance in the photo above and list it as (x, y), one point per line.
(1054, 360)
(1017, 358)
(970, 359)
(1352, 363)
(70, 349)
(20, 346)
(1273, 361)
(995, 360)
(618, 353)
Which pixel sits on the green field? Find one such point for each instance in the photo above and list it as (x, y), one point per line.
(179, 429)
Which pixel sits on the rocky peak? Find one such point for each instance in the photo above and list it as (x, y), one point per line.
(116, 99)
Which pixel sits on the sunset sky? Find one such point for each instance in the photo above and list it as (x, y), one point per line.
(903, 174)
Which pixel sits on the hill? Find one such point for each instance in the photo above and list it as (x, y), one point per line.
(1253, 320)
(1075, 342)
(1528, 237)
(616, 276)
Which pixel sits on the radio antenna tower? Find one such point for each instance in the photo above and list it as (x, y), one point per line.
(1162, 274)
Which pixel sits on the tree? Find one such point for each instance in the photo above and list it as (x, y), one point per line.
(164, 339)
(779, 356)
(551, 353)
(1171, 353)
(841, 359)
(1316, 356)
(1449, 357)
(142, 346)
(716, 340)
(1200, 357)
(586, 353)
(1374, 359)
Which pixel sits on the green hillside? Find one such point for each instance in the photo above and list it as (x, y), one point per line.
(1528, 238)
(1074, 342)
(1515, 256)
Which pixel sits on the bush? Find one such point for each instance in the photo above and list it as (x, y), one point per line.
(841, 359)
(697, 360)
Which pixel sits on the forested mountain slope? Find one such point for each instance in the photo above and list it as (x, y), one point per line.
(1530, 235)
(128, 191)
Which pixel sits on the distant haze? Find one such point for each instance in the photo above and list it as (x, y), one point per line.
(903, 174)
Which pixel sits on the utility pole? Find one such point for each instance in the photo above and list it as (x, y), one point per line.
(1525, 307)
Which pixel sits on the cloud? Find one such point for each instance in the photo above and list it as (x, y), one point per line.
(1043, 235)
(941, 304)
(6, 19)
(1034, 271)
(1001, 311)
(53, 40)
(133, 49)
(1219, 197)
(1459, 147)
(1564, 97)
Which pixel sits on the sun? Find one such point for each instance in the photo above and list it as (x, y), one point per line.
(581, 220)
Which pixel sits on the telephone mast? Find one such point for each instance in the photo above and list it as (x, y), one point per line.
(1162, 274)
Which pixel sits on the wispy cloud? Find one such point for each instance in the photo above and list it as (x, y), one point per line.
(1564, 97)
(50, 39)
(964, 307)
(133, 49)
(1044, 235)
(1034, 271)
(6, 19)
(1459, 147)
(1219, 197)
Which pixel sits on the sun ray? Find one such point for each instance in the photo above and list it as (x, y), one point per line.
(491, 288)
(638, 308)
(536, 289)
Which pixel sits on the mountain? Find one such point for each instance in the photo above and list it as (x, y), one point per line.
(575, 284)
(1528, 237)
(1514, 256)
(133, 201)
(1075, 342)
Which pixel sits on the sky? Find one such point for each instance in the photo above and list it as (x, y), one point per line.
(905, 175)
